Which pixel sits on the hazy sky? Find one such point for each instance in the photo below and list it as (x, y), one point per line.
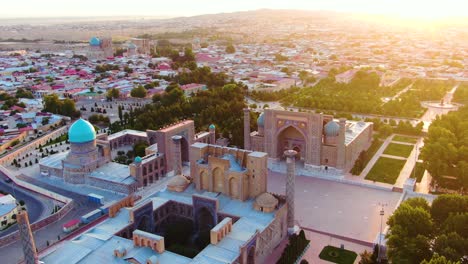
(47, 8)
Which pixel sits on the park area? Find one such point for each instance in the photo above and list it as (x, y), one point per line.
(399, 150)
(386, 170)
(337, 255)
(405, 139)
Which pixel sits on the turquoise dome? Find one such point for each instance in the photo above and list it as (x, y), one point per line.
(94, 41)
(81, 131)
(261, 120)
(132, 46)
(332, 129)
(137, 159)
(212, 126)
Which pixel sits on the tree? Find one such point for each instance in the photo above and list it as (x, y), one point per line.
(409, 235)
(230, 49)
(447, 204)
(366, 258)
(139, 92)
(139, 148)
(436, 259)
(452, 246)
(113, 93)
(68, 108)
(385, 130)
(120, 112)
(52, 103)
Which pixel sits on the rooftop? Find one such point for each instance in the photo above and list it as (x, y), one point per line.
(113, 172)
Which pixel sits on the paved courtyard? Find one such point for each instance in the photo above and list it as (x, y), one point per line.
(337, 208)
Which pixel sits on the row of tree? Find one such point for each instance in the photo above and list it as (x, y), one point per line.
(419, 231)
(445, 151)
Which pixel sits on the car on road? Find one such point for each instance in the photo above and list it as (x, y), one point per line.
(8, 180)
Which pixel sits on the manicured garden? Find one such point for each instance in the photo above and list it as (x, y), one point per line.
(399, 150)
(419, 173)
(337, 255)
(405, 139)
(386, 170)
(365, 156)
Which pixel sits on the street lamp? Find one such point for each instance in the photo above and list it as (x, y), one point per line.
(382, 213)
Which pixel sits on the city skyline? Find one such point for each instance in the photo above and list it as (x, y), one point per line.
(426, 10)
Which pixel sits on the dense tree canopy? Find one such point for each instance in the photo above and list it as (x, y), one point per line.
(139, 92)
(65, 107)
(448, 137)
(221, 106)
(421, 232)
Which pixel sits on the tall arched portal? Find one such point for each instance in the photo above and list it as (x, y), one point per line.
(233, 188)
(204, 181)
(291, 138)
(218, 180)
(184, 149)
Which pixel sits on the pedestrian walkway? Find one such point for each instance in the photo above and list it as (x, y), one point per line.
(392, 157)
(376, 157)
(425, 185)
(407, 169)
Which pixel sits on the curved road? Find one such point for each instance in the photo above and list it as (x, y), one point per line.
(34, 205)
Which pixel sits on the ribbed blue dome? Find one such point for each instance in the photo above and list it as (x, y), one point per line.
(138, 159)
(94, 41)
(261, 120)
(212, 126)
(81, 131)
(332, 129)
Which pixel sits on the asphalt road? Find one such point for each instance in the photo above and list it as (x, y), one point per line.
(34, 205)
(13, 253)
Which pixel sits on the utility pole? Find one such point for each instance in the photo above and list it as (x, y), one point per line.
(382, 213)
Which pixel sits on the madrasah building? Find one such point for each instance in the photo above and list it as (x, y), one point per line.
(320, 140)
(225, 200)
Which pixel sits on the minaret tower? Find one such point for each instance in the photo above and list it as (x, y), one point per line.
(290, 185)
(246, 128)
(27, 239)
(177, 155)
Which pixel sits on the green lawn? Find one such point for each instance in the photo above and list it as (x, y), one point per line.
(404, 139)
(386, 170)
(419, 171)
(399, 150)
(359, 165)
(337, 255)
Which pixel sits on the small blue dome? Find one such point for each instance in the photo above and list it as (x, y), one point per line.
(132, 46)
(212, 126)
(261, 120)
(332, 129)
(81, 131)
(94, 41)
(138, 159)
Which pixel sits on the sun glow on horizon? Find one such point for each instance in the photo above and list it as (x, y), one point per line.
(428, 10)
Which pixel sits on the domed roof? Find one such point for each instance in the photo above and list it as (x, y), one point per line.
(266, 200)
(178, 180)
(81, 131)
(120, 249)
(261, 120)
(138, 159)
(212, 126)
(132, 46)
(332, 129)
(94, 41)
